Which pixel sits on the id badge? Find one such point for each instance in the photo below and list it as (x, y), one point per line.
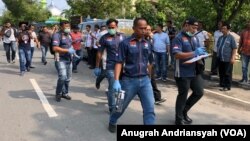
(25, 42)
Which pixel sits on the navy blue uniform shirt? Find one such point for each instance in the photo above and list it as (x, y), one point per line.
(64, 41)
(182, 43)
(135, 55)
(111, 44)
(225, 46)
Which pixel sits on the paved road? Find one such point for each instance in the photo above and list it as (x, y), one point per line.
(85, 117)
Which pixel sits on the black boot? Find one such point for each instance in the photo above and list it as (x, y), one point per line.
(179, 121)
(187, 119)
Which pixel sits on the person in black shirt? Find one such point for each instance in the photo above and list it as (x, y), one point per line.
(171, 31)
(24, 48)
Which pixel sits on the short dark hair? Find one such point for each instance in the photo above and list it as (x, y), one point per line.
(30, 25)
(89, 26)
(227, 25)
(160, 25)
(109, 21)
(63, 22)
(7, 22)
(97, 26)
(103, 26)
(75, 27)
(20, 23)
(169, 21)
(137, 20)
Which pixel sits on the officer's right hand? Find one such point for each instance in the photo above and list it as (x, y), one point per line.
(200, 51)
(71, 50)
(117, 86)
(97, 71)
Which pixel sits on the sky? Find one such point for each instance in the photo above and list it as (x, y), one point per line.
(61, 4)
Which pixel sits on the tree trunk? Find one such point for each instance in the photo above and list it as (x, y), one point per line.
(236, 9)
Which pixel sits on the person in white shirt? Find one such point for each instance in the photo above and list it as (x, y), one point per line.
(33, 42)
(202, 35)
(217, 34)
(89, 42)
(95, 47)
(99, 79)
(9, 35)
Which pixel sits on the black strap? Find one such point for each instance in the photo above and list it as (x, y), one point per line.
(198, 32)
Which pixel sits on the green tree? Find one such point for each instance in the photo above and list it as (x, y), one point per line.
(147, 11)
(25, 10)
(208, 11)
(101, 8)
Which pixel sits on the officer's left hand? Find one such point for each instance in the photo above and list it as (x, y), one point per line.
(200, 51)
(117, 86)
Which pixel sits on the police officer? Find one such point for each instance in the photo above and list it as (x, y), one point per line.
(185, 47)
(134, 55)
(110, 42)
(62, 46)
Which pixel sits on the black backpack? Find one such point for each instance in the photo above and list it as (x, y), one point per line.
(7, 33)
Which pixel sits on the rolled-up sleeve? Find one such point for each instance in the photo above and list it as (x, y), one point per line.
(233, 43)
(55, 40)
(102, 43)
(177, 46)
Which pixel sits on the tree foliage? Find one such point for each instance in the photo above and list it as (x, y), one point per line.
(24, 10)
(101, 8)
(208, 11)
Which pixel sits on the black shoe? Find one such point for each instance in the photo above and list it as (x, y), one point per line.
(112, 128)
(32, 67)
(58, 98)
(164, 79)
(179, 122)
(91, 67)
(157, 102)
(213, 73)
(66, 97)
(28, 69)
(45, 63)
(186, 119)
(97, 85)
(225, 89)
(75, 71)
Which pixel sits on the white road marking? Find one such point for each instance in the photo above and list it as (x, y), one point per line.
(50, 111)
(222, 95)
(17, 56)
(226, 96)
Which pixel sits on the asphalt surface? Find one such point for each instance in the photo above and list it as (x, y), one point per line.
(85, 117)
